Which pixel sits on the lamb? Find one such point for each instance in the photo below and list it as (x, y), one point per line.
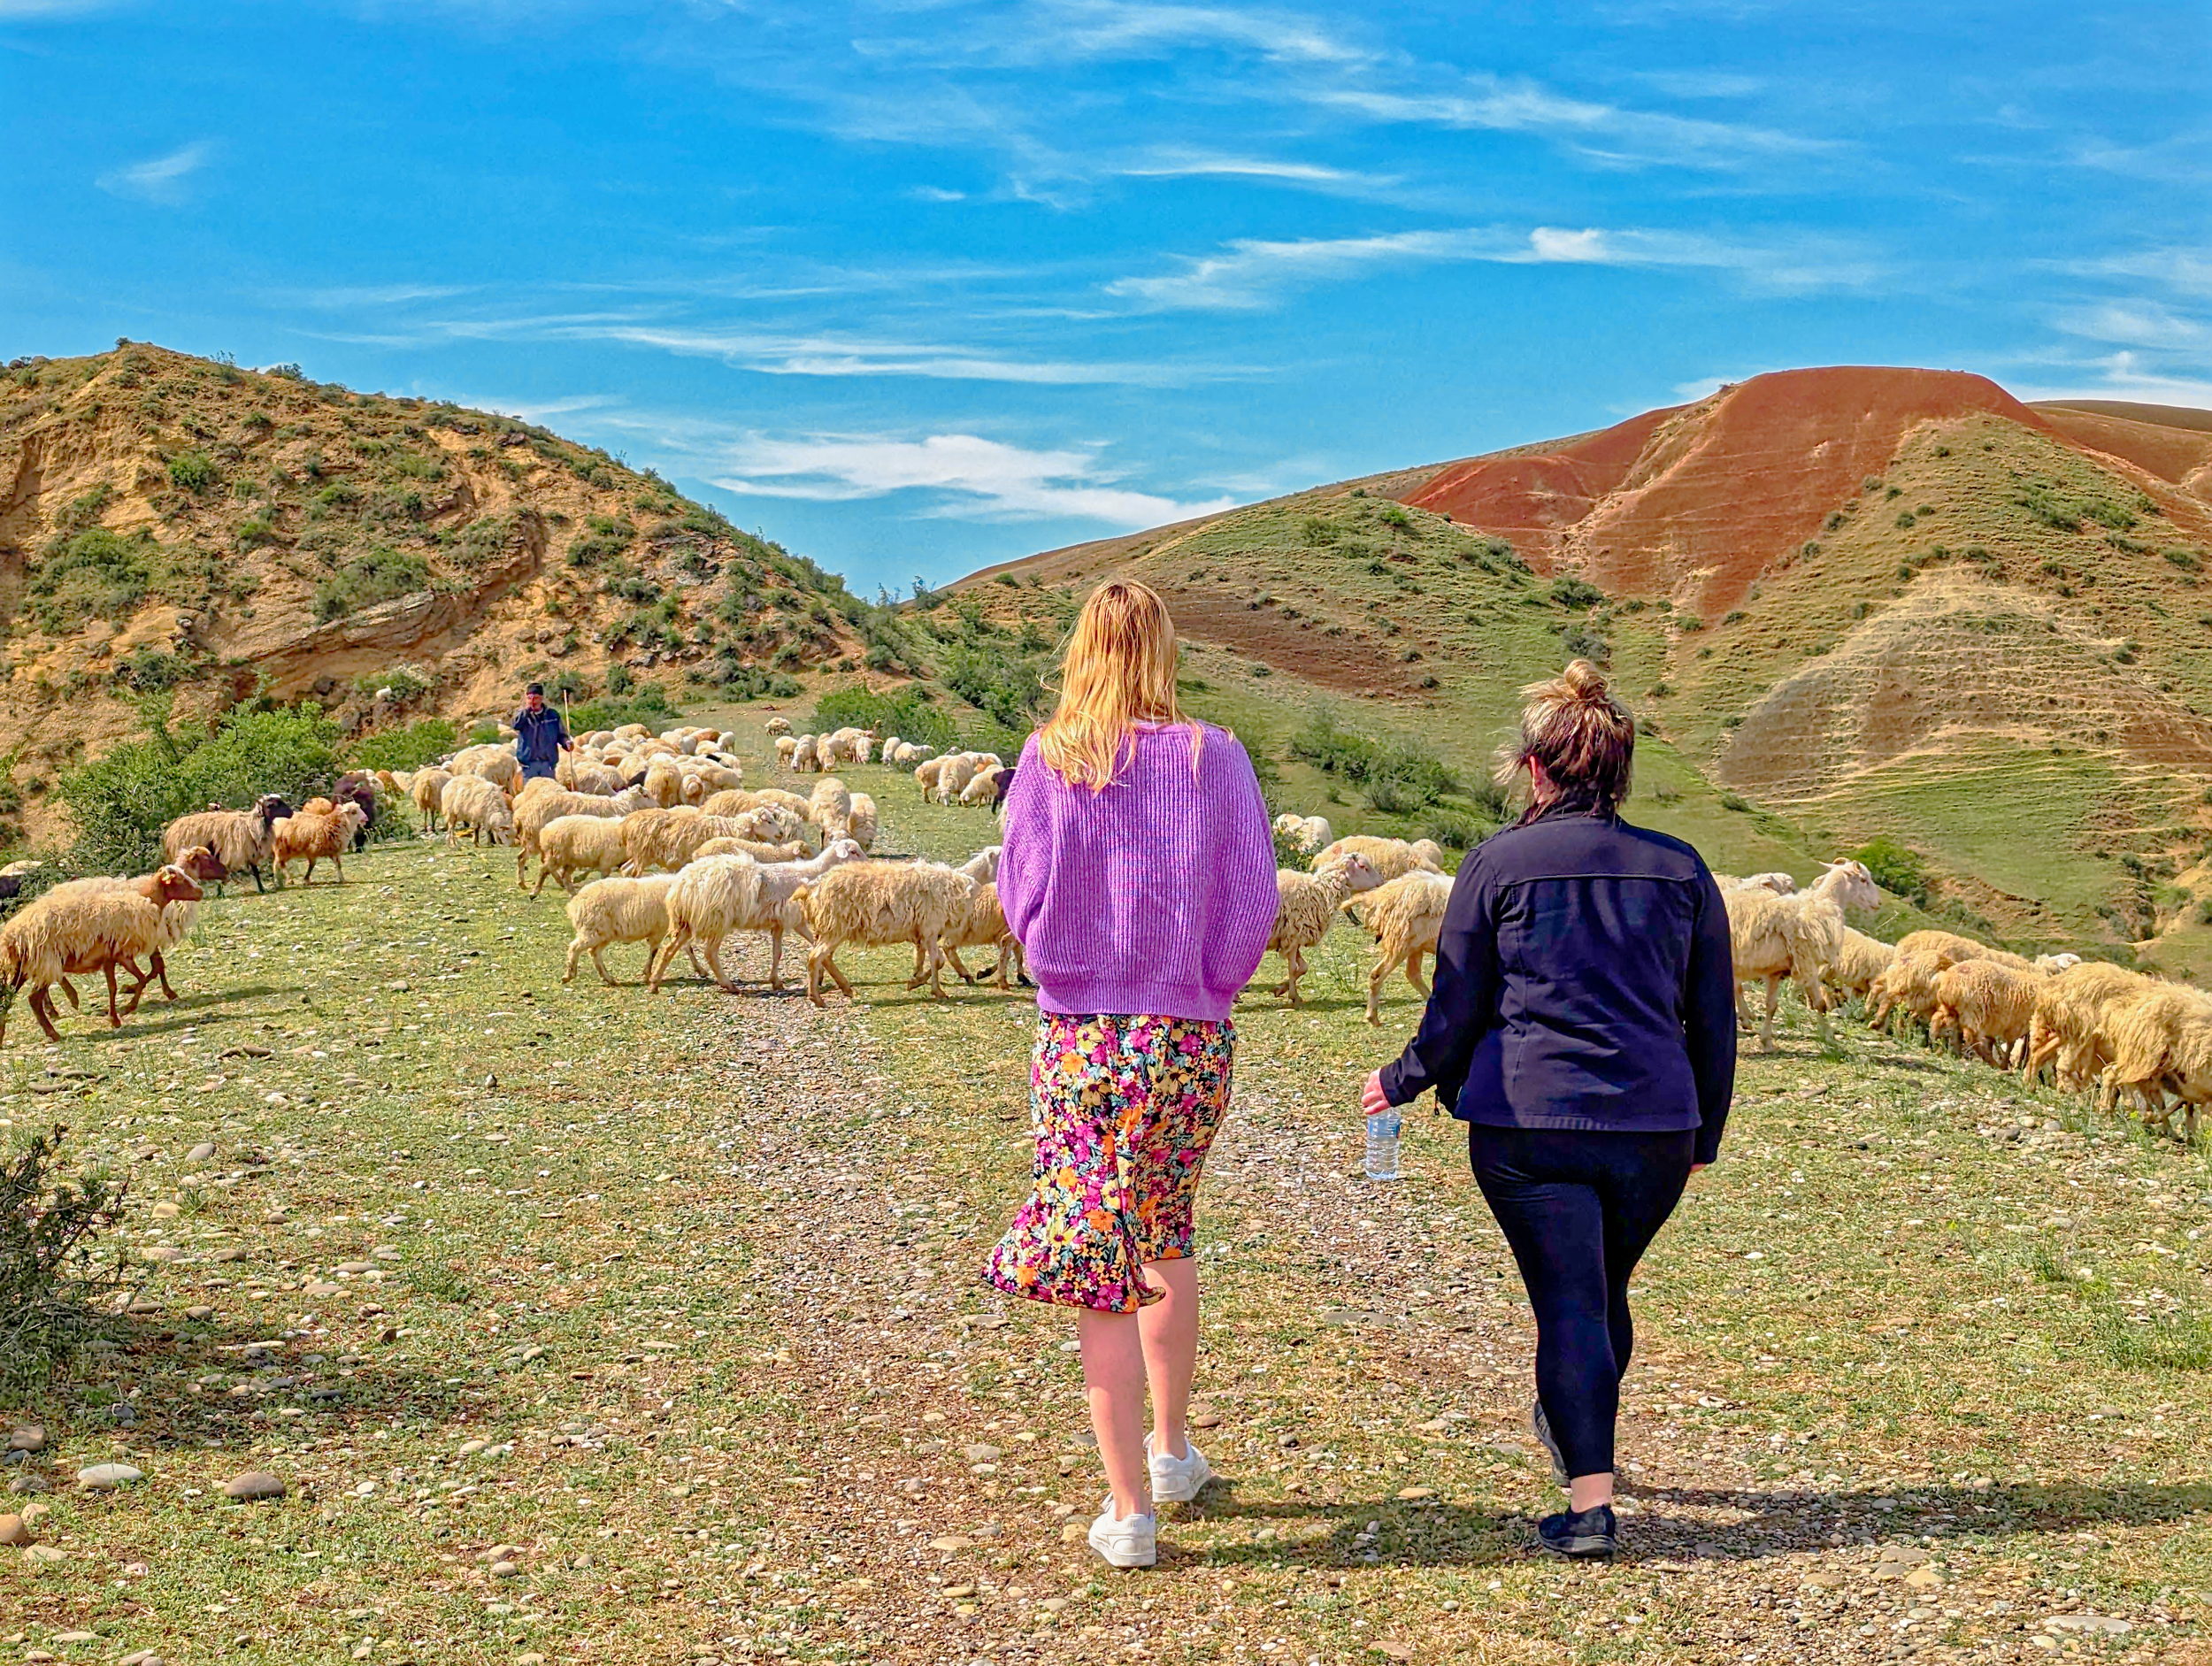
(582, 775)
(177, 919)
(1306, 834)
(2162, 1040)
(314, 836)
(618, 911)
(871, 903)
(2057, 963)
(426, 789)
(926, 774)
(1989, 1005)
(983, 866)
(1859, 961)
(535, 810)
(860, 824)
(987, 790)
(2071, 1009)
(571, 845)
(76, 929)
(473, 802)
(1306, 907)
(1387, 858)
(240, 839)
(716, 895)
(1795, 937)
(807, 757)
(1405, 915)
(778, 726)
(1429, 853)
(787, 750)
(492, 763)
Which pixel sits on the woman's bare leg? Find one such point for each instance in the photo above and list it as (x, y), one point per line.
(1170, 1331)
(1113, 1382)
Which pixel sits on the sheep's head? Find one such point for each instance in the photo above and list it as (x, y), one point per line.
(172, 884)
(354, 817)
(271, 808)
(203, 864)
(1355, 870)
(842, 850)
(1851, 884)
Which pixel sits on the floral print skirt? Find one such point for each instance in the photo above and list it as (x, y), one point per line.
(1125, 1108)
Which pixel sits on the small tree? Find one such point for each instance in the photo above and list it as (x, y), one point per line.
(56, 1288)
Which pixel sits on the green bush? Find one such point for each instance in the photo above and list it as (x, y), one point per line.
(907, 714)
(191, 471)
(57, 1287)
(149, 671)
(1900, 871)
(121, 801)
(648, 704)
(602, 539)
(1576, 593)
(1008, 688)
(406, 682)
(95, 574)
(1396, 779)
(422, 741)
(377, 575)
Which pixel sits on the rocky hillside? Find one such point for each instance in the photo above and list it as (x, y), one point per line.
(175, 523)
(1857, 603)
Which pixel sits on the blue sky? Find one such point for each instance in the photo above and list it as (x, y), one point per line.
(917, 286)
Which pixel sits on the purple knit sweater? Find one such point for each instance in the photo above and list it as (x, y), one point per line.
(1156, 896)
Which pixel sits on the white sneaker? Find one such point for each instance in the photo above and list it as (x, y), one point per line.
(1177, 1480)
(1124, 1541)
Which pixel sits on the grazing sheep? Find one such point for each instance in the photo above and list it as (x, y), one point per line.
(753, 847)
(2071, 1008)
(1909, 984)
(955, 771)
(1858, 962)
(731, 801)
(778, 726)
(1989, 1005)
(871, 903)
(427, 789)
(831, 804)
(471, 802)
(982, 925)
(78, 930)
(1405, 915)
(1388, 859)
(664, 783)
(492, 763)
(1962, 948)
(571, 845)
(1430, 855)
(860, 824)
(807, 757)
(240, 838)
(926, 774)
(988, 789)
(2161, 1043)
(534, 811)
(1306, 834)
(1795, 937)
(618, 911)
(787, 750)
(716, 895)
(799, 807)
(1306, 907)
(314, 836)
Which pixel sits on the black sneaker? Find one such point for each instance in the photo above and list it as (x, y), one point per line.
(1579, 1533)
(1542, 1425)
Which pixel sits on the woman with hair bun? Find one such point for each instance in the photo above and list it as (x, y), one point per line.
(1583, 1026)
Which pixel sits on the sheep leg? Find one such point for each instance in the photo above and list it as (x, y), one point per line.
(70, 990)
(713, 946)
(1766, 1029)
(953, 955)
(829, 964)
(42, 1010)
(775, 958)
(575, 950)
(161, 970)
(338, 863)
(259, 889)
(937, 971)
(599, 964)
(1375, 976)
(1413, 971)
(544, 869)
(115, 1019)
(522, 870)
(656, 967)
(1743, 1009)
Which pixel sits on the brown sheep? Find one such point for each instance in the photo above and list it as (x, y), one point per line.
(1990, 1005)
(314, 836)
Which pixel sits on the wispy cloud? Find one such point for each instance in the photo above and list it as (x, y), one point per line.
(346, 297)
(1263, 170)
(1252, 272)
(2136, 323)
(162, 179)
(2186, 269)
(956, 474)
(2125, 374)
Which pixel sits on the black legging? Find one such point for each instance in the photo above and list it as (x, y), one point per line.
(1579, 1208)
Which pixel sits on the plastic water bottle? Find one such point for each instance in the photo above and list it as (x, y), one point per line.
(1382, 1145)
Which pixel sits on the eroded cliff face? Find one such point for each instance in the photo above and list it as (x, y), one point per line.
(171, 523)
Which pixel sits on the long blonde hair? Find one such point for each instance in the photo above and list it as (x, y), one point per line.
(1118, 670)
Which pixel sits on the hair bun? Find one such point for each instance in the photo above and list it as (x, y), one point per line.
(1584, 680)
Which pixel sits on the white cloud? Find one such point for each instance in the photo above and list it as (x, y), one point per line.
(2136, 323)
(962, 474)
(1250, 272)
(2177, 268)
(936, 193)
(1194, 166)
(2123, 375)
(160, 178)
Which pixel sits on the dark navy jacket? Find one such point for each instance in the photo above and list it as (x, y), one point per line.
(538, 737)
(1583, 981)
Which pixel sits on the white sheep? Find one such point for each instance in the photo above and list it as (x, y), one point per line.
(788, 750)
(982, 925)
(983, 866)
(778, 726)
(474, 802)
(571, 845)
(830, 807)
(1773, 938)
(1306, 834)
(873, 903)
(955, 771)
(1778, 884)
(1306, 907)
(75, 929)
(1407, 916)
(240, 838)
(716, 895)
(534, 811)
(861, 823)
(618, 911)
(1387, 858)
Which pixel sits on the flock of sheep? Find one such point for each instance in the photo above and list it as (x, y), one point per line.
(2096, 1024)
(660, 843)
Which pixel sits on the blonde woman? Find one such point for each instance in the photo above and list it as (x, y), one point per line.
(1138, 875)
(1583, 1024)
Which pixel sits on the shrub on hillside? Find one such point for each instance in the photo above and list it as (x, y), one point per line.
(1396, 779)
(57, 1287)
(1900, 871)
(94, 575)
(647, 703)
(1576, 593)
(907, 714)
(1005, 688)
(379, 574)
(121, 801)
(423, 742)
(191, 471)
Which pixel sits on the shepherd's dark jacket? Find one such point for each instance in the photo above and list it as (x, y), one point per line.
(538, 737)
(1583, 981)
